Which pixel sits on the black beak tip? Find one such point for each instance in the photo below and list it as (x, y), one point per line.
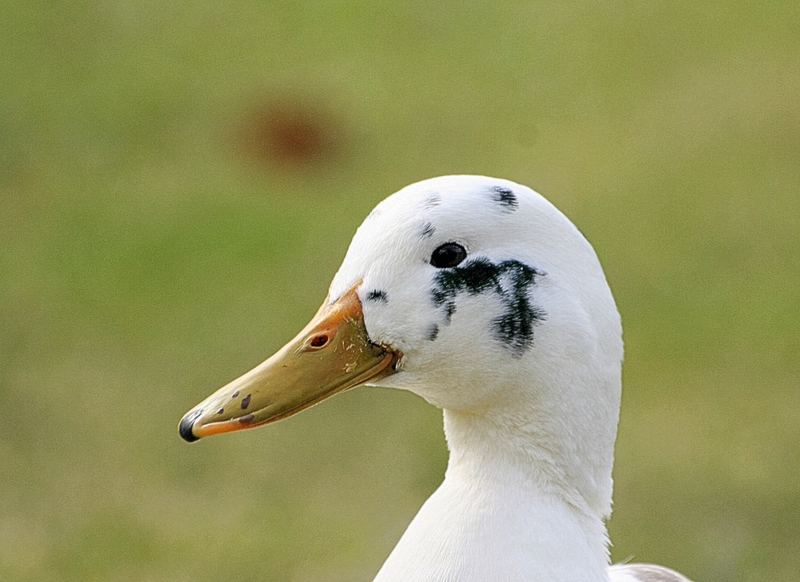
(185, 427)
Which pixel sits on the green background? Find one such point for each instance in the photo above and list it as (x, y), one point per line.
(158, 240)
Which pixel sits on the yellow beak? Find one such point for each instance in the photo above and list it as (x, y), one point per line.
(331, 354)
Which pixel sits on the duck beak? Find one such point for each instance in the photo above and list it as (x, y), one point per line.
(331, 354)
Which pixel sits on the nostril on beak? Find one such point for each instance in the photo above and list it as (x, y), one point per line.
(185, 427)
(317, 342)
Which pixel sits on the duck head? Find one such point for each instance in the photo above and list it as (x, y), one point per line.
(478, 295)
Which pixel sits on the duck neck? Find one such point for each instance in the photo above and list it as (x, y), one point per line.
(491, 447)
(538, 495)
(503, 512)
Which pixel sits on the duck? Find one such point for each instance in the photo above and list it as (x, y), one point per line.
(480, 296)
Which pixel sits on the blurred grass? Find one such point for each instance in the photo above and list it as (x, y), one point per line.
(148, 258)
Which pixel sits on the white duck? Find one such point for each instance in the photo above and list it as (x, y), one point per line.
(480, 296)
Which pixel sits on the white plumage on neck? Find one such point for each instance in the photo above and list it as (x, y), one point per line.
(497, 517)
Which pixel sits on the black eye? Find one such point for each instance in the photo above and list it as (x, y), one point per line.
(448, 255)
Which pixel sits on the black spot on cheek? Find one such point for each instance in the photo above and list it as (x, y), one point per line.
(433, 332)
(378, 295)
(235, 394)
(246, 401)
(505, 197)
(515, 327)
(427, 230)
(510, 281)
(220, 411)
(247, 419)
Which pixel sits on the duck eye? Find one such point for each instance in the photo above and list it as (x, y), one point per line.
(448, 255)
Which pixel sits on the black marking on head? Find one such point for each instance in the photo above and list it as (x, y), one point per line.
(247, 419)
(433, 200)
(234, 395)
(246, 401)
(510, 280)
(378, 295)
(433, 332)
(506, 197)
(220, 411)
(427, 230)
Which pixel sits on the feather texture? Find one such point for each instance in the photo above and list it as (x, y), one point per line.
(644, 573)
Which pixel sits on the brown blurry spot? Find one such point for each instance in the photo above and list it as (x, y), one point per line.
(291, 132)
